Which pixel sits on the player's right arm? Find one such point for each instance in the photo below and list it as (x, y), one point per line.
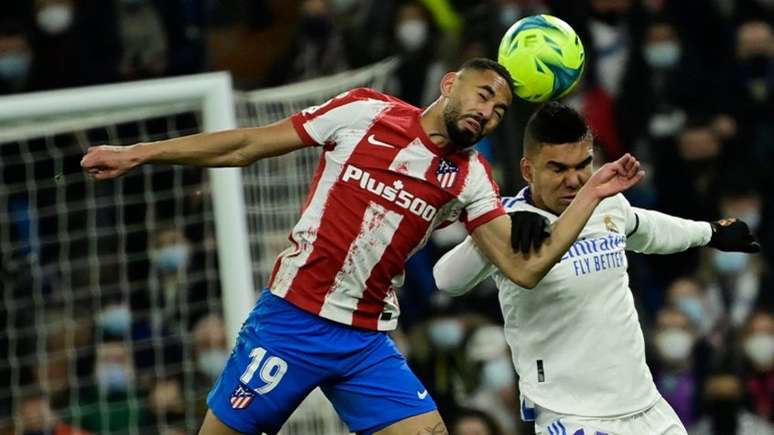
(317, 125)
(238, 147)
(461, 269)
(494, 237)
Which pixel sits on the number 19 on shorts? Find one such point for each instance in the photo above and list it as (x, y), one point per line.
(271, 371)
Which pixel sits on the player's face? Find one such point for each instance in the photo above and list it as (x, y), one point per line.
(476, 105)
(557, 172)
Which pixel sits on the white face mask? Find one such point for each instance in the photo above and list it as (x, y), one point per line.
(730, 263)
(497, 373)
(752, 218)
(760, 349)
(412, 34)
(446, 333)
(662, 54)
(674, 344)
(55, 19)
(211, 362)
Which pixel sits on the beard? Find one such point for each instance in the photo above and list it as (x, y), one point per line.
(461, 137)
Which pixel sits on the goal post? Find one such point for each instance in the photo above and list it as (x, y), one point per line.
(214, 94)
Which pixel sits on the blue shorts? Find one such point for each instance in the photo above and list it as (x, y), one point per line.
(283, 353)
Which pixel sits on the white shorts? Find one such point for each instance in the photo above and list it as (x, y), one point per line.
(660, 419)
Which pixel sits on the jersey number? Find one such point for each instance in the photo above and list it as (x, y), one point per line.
(272, 371)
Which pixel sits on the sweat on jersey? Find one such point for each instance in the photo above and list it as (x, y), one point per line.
(575, 338)
(379, 191)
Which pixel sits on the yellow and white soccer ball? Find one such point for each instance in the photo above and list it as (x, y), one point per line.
(544, 56)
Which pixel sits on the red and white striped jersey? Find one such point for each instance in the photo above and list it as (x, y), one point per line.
(380, 189)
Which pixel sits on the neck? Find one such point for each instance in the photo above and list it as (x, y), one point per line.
(432, 123)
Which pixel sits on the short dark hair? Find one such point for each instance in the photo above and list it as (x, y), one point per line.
(483, 64)
(553, 123)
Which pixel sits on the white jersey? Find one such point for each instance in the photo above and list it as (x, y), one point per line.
(575, 338)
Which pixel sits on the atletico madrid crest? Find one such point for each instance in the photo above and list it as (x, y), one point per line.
(446, 173)
(242, 397)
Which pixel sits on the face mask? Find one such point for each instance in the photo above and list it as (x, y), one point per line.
(172, 258)
(317, 27)
(211, 363)
(674, 344)
(497, 373)
(412, 34)
(508, 15)
(446, 334)
(55, 19)
(341, 6)
(113, 377)
(662, 55)
(692, 307)
(116, 320)
(760, 349)
(730, 263)
(14, 66)
(752, 218)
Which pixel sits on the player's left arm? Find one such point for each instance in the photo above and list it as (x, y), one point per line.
(461, 269)
(653, 232)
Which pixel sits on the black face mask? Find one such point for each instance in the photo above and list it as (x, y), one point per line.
(316, 26)
(723, 415)
(698, 166)
(756, 66)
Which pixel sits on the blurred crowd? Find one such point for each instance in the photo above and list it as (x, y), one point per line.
(686, 85)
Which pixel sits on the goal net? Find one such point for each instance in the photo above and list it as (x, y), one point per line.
(111, 291)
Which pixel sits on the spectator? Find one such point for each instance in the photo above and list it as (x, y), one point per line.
(143, 40)
(37, 418)
(58, 46)
(166, 405)
(723, 411)
(15, 57)
(317, 49)
(209, 347)
(474, 422)
(496, 391)
(758, 345)
(674, 371)
(115, 404)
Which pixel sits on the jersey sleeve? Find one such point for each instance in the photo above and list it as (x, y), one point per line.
(652, 232)
(319, 125)
(462, 268)
(481, 195)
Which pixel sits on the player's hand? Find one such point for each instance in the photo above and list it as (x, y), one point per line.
(615, 177)
(528, 231)
(106, 161)
(733, 235)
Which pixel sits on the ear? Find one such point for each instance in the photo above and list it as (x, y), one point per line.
(526, 170)
(447, 82)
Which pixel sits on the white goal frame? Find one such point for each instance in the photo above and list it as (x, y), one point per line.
(214, 95)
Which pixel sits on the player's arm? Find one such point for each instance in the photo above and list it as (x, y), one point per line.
(494, 237)
(652, 232)
(461, 269)
(237, 147)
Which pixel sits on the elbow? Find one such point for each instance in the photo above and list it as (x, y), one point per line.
(444, 284)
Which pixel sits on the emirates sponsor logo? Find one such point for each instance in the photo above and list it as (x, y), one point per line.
(393, 193)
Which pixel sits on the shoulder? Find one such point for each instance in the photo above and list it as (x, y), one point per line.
(615, 202)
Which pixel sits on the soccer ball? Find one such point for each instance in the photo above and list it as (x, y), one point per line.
(544, 56)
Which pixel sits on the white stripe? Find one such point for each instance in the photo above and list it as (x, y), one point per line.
(334, 122)
(477, 192)
(305, 232)
(376, 232)
(413, 160)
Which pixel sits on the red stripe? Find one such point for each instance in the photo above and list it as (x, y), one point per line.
(484, 218)
(298, 122)
(339, 226)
